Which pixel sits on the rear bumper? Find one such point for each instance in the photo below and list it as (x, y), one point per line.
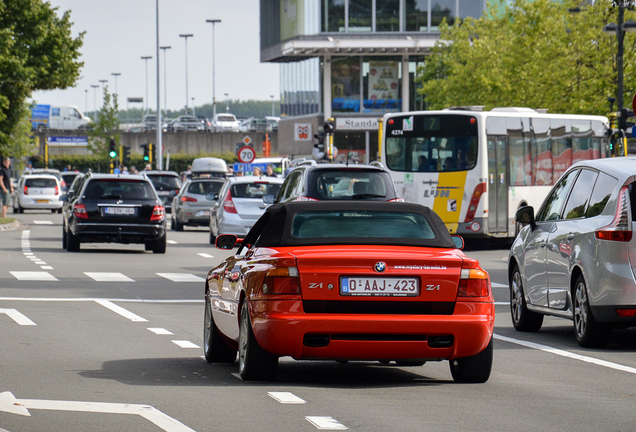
(282, 328)
(118, 233)
(32, 204)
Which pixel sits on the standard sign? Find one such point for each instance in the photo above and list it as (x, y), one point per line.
(246, 154)
(357, 123)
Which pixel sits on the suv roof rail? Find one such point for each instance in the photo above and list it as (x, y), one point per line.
(308, 162)
(376, 164)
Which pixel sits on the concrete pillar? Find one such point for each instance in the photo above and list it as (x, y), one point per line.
(326, 87)
(405, 83)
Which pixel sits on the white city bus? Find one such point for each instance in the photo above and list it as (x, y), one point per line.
(475, 168)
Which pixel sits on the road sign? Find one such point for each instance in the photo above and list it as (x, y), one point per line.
(247, 140)
(246, 154)
(247, 167)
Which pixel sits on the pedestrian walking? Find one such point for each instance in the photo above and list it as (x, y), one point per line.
(5, 182)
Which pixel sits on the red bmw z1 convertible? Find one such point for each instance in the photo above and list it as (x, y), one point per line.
(349, 280)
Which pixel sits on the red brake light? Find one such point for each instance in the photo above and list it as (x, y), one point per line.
(158, 213)
(188, 199)
(57, 190)
(480, 189)
(474, 281)
(282, 281)
(79, 211)
(626, 313)
(26, 190)
(228, 204)
(620, 228)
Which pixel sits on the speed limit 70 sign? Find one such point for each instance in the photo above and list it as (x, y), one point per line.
(246, 154)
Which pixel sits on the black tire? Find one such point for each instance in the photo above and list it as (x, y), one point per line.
(589, 333)
(522, 319)
(72, 242)
(255, 364)
(215, 349)
(178, 226)
(473, 369)
(212, 238)
(160, 246)
(20, 208)
(172, 227)
(15, 210)
(64, 238)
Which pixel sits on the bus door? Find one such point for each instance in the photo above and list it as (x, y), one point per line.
(497, 184)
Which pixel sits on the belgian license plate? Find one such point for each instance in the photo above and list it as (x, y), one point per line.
(41, 201)
(119, 211)
(379, 287)
(203, 213)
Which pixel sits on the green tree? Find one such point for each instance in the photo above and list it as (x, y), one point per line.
(533, 54)
(21, 142)
(37, 52)
(106, 126)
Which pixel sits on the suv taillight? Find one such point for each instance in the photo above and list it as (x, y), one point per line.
(79, 211)
(474, 281)
(620, 228)
(158, 213)
(228, 204)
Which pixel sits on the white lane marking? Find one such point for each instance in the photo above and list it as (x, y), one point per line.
(46, 267)
(92, 299)
(26, 233)
(34, 258)
(43, 222)
(160, 331)
(286, 398)
(171, 242)
(27, 253)
(498, 285)
(502, 303)
(325, 423)
(181, 277)
(567, 354)
(39, 262)
(16, 316)
(204, 255)
(8, 403)
(33, 276)
(120, 310)
(108, 277)
(185, 344)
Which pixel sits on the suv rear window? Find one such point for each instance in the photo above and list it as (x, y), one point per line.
(339, 185)
(254, 190)
(204, 188)
(119, 189)
(164, 182)
(40, 182)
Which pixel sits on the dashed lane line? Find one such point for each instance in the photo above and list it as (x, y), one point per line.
(18, 317)
(181, 277)
(325, 423)
(33, 276)
(121, 311)
(204, 255)
(185, 344)
(160, 331)
(108, 277)
(43, 222)
(286, 398)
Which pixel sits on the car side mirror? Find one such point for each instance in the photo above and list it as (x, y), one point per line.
(64, 198)
(525, 216)
(227, 241)
(269, 199)
(459, 241)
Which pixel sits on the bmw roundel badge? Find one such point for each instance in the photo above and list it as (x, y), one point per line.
(379, 267)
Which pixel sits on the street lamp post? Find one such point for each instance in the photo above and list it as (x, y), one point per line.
(272, 96)
(186, 36)
(103, 84)
(116, 74)
(213, 21)
(619, 30)
(194, 109)
(227, 102)
(94, 102)
(165, 80)
(85, 100)
(146, 58)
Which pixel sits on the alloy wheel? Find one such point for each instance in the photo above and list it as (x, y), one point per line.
(580, 309)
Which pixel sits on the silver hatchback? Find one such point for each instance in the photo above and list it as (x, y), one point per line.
(576, 258)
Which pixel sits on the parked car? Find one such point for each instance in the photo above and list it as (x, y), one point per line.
(109, 208)
(149, 122)
(167, 185)
(186, 123)
(207, 125)
(311, 181)
(349, 280)
(240, 204)
(68, 177)
(253, 124)
(37, 192)
(576, 258)
(225, 122)
(191, 206)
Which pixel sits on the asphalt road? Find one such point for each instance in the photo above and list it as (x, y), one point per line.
(111, 341)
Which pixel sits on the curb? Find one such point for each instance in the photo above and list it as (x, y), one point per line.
(10, 226)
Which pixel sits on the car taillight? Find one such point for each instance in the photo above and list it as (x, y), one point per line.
(158, 213)
(57, 190)
(228, 204)
(397, 200)
(188, 199)
(474, 281)
(26, 190)
(620, 228)
(79, 211)
(480, 189)
(281, 280)
(626, 313)
(304, 198)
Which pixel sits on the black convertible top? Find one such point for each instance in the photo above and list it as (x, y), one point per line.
(274, 227)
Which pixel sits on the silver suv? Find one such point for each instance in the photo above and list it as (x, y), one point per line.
(576, 258)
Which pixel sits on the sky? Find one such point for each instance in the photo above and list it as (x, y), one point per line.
(120, 32)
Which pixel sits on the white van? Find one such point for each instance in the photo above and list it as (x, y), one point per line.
(58, 117)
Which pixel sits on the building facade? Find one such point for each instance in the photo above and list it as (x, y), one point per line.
(353, 60)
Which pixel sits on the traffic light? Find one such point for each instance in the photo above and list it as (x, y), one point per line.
(151, 153)
(623, 115)
(112, 151)
(126, 156)
(320, 145)
(146, 152)
(328, 126)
